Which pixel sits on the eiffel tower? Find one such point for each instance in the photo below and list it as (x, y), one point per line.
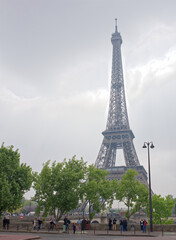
(118, 134)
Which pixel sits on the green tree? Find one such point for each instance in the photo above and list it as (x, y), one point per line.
(15, 179)
(131, 192)
(162, 209)
(97, 190)
(58, 187)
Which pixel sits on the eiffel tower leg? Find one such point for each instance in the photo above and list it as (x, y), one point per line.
(100, 161)
(130, 155)
(106, 157)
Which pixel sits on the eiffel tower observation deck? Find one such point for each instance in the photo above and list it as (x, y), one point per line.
(118, 134)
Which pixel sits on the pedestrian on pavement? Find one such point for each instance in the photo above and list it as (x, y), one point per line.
(39, 223)
(144, 226)
(7, 222)
(121, 225)
(125, 225)
(51, 224)
(79, 223)
(114, 224)
(141, 224)
(54, 224)
(35, 224)
(4, 222)
(87, 224)
(110, 224)
(65, 224)
(83, 225)
(74, 228)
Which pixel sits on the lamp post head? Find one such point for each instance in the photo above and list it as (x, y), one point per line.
(148, 144)
(144, 146)
(152, 146)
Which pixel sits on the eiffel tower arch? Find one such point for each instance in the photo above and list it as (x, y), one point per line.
(118, 134)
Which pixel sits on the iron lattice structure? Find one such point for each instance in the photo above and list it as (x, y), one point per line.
(118, 134)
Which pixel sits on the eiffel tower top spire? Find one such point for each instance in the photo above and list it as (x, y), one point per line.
(117, 115)
(116, 25)
(116, 35)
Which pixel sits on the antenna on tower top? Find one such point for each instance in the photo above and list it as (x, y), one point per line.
(115, 24)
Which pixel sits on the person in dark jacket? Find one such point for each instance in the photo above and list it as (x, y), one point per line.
(65, 224)
(110, 224)
(141, 224)
(4, 222)
(121, 225)
(7, 222)
(74, 228)
(83, 225)
(51, 224)
(39, 223)
(125, 225)
(114, 224)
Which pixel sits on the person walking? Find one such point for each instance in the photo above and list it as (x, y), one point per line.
(79, 223)
(54, 224)
(144, 226)
(114, 224)
(110, 224)
(121, 225)
(51, 224)
(65, 224)
(87, 224)
(39, 223)
(7, 222)
(141, 224)
(74, 228)
(4, 222)
(83, 225)
(35, 224)
(125, 225)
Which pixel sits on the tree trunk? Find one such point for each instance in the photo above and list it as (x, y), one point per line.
(59, 215)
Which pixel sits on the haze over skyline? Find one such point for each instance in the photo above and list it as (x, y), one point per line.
(55, 73)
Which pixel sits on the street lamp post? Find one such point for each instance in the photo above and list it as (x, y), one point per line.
(149, 145)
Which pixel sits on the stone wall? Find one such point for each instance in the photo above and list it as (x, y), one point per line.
(132, 227)
(26, 224)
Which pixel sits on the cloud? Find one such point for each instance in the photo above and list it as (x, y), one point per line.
(153, 74)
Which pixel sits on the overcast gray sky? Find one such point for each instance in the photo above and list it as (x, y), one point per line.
(55, 72)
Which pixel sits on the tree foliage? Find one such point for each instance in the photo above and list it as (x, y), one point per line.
(15, 179)
(162, 209)
(58, 186)
(131, 192)
(61, 186)
(97, 190)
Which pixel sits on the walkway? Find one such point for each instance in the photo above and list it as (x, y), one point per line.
(88, 235)
(17, 236)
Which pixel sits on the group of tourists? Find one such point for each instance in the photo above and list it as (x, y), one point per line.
(113, 224)
(37, 223)
(81, 225)
(143, 224)
(123, 225)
